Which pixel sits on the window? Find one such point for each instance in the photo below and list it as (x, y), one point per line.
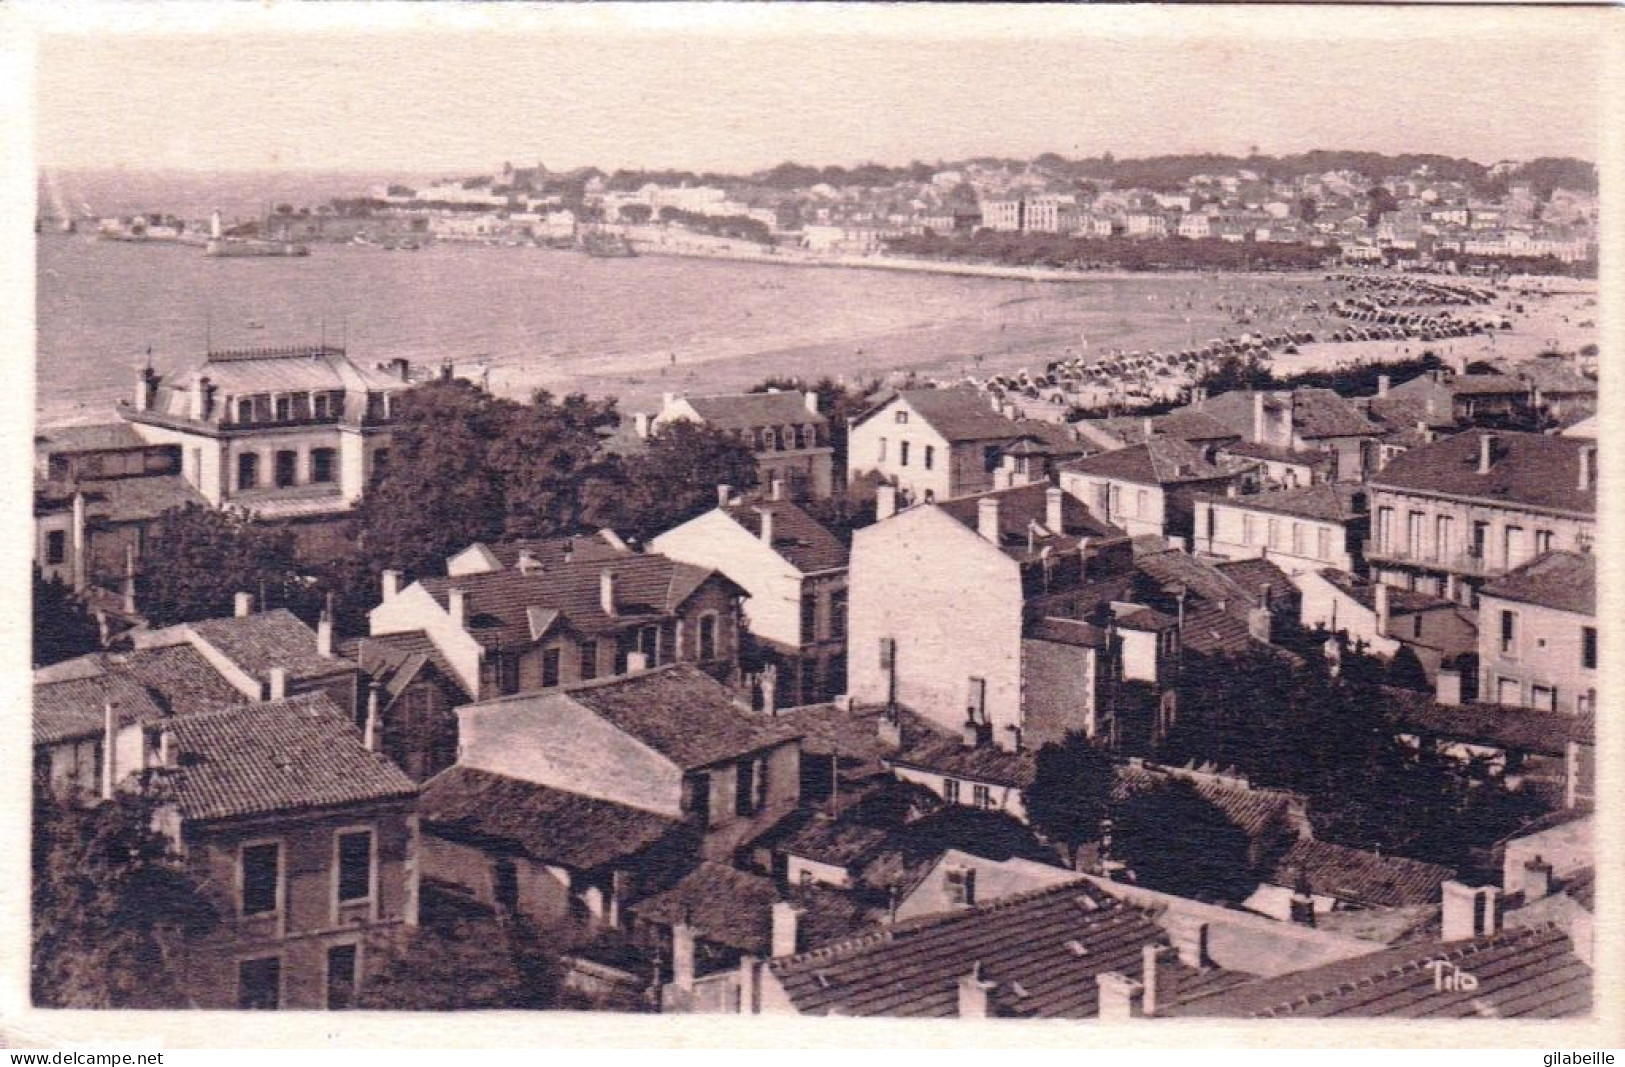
(1442, 537)
(770, 439)
(649, 644)
(1114, 501)
(882, 450)
(1481, 536)
(287, 465)
(750, 783)
(960, 885)
(342, 976)
(1586, 703)
(902, 418)
(809, 616)
(589, 660)
(245, 409)
(1247, 529)
(550, 667)
(1515, 548)
(1298, 548)
(1543, 541)
(1509, 634)
(1385, 528)
(284, 408)
(930, 456)
(321, 465)
(990, 457)
(1413, 535)
(902, 452)
(324, 406)
(355, 866)
(1142, 503)
(950, 790)
(259, 984)
(261, 888)
(1274, 528)
(1323, 544)
(1508, 691)
(837, 613)
(708, 637)
(248, 470)
(981, 796)
(1543, 697)
(1588, 647)
(56, 547)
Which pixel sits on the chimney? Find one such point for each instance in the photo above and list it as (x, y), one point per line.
(636, 662)
(1588, 464)
(143, 389)
(767, 524)
(973, 993)
(987, 518)
(1152, 958)
(279, 683)
(786, 928)
(1119, 997)
(457, 606)
(392, 584)
(1148, 427)
(129, 579)
(403, 368)
(109, 749)
(243, 604)
(1383, 382)
(724, 495)
(606, 591)
(215, 229)
(1447, 690)
(527, 563)
(167, 755)
(810, 398)
(1055, 510)
(1486, 453)
(1379, 598)
(776, 489)
(371, 735)
(1461, 912)
(889, 728)
(80, 575)
(682, 955)
(620, 890)
(1189, 937)
(1258, 417)
(324, 634)
(1537, 879)
(1301, 907)
(885, 502)
(970, 734)
(750, 985)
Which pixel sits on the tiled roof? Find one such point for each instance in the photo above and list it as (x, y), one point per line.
(178, 677)
(1400, 601)
(833, 841)
(74, 709)
(797, 536)
(1566, 581)
(1312, 458)
(1252, 809)
(735, 908)
(282, 756)
(1062, 631)
(682, 713)
(1160, 461)
(1256, 573)
(1529, 469)
(1039, 951)
(1553, 376)
(1198, 577)
(550, 552)
(549, 825)
(1324, 502)
(1582, 887)
(1024, 505)
(647, 588)
(958, 414)
(1502, 726)
(1148, 619)
(137, 499)
(1487, 385)
(1402, 411)
(1318, 413)
(1358, 877)
(393, 660)
(267, 639)
(946, 753)
(1189, 425)
(1522, 974)
(743, 411)
(95, 437)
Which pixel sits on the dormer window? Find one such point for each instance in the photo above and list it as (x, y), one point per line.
(245, 409)
(284, 408)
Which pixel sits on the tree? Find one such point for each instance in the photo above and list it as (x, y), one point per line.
(676, 477)
(554, 477)
(111, 902)
(466, 964)
(1381, 203)
(1177, 841)
(1071, 791)
(62, 627)
(199, 557)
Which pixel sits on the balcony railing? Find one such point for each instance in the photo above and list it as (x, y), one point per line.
(1470, 563)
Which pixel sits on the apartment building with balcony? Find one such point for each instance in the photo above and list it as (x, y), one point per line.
(1452, 515)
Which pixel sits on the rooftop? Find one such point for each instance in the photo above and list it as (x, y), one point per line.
(1023, 507)
(1498, 725)
(548, 553)
(75, 708)
(1522, 974)
(1566, 581)
(281, 756)
(95, 437)
(394, 660)
(960, 414)
(1252, 809)
(1528, 470)
(744, 411)
(1400, 601)
(267, 639)
(731, 907)
(1259, 573)
(1160, 461)
(550, 825)
(801, 539)
(1358, 877)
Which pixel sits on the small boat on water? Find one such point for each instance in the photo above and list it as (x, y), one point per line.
(254, 324)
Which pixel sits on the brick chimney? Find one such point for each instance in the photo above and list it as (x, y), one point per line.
(1486, 453)
(1120, 997)
(457, 606)
(682, 955)
(1153, 958)
(606, 592)
(242, 604)
(1055, 510)
(885, 502)
(987, 518)
(786, 935)
(973, 992)
(392, 584)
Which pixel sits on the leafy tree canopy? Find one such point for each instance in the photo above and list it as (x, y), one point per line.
(1071, 791)
(465, 964)
(62, 627)
(198, 558)
(676, 477)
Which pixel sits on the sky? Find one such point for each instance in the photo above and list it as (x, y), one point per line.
(737, 89)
